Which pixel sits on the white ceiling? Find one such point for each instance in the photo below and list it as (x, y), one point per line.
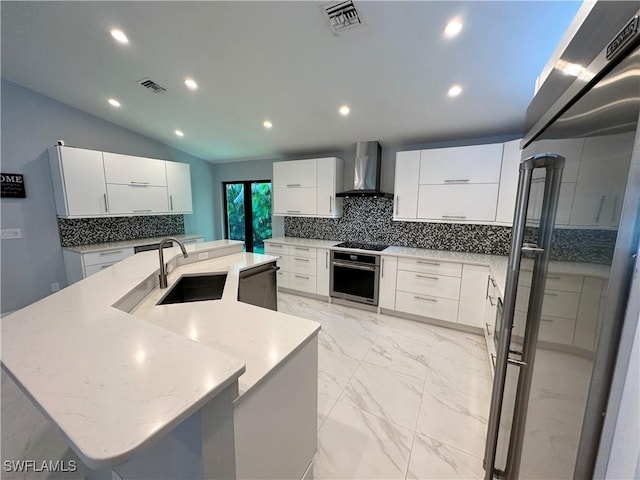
(279, 60)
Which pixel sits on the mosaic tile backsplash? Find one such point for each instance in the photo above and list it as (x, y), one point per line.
(83, 231)
(370, 220)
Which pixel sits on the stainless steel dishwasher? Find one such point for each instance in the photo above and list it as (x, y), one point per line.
(258, 286)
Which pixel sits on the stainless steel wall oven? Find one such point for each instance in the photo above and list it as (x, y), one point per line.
(355, 276)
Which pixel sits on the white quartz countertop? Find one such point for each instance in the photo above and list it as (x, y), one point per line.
(106, 246)
(262, 338)
(303, 242)
(113, 382)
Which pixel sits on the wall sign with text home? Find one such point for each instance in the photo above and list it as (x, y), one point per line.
(12, 185)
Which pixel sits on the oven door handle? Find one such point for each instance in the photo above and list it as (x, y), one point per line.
(351, 265)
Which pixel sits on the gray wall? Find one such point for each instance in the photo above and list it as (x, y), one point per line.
(31, 123)
(262, 170)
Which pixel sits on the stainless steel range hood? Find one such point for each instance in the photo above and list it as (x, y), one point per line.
(366, 176)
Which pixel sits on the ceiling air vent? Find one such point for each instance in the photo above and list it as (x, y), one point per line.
(342, 16)
(151, 85)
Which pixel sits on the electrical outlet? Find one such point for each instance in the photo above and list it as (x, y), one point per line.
(203, 256)
(55, 286)
(11, 233)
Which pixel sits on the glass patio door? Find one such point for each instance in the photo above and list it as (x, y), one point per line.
(247, 208)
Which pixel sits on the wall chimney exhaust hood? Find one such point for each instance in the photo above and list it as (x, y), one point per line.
(366, 176)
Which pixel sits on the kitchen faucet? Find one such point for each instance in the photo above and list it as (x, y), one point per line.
(163, 266)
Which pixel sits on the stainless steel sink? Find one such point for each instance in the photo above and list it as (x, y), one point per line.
(195, 288)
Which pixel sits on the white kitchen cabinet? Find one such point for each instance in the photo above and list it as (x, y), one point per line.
(323, 265)
(127, 169)
(81, 265)
(329, 180)
(308, 187)
(78, 182)
(471, 164)
(429, 284)
(295, 174)
(458, 202)
(405, 205)
(387, 287)
(473, 295)
(179, 187)
(137, 199)
(587, 321)
(511, 156)
(427, 306)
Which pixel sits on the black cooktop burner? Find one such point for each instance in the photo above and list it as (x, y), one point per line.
(362, 246)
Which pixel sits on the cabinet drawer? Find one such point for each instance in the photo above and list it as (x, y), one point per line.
(306, 252)
(429, 284)
(476, 202)
(555, 281)
(556, 330)
(302, 265)
(294, 201)
(127, 169)
(276, 249)
(283, 279)
(430, 266)
(555, 304)
(305, 283)
(111, 256)
(426, 306)
(471, 164)
(91, 269)
(127, 199)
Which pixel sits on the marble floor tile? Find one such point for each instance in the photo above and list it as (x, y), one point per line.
(325, 404)
(334, 372)
(431, 459)
(385, 393)
(349, 342)
(471, 378)
(451, 417)
(353, 444)
(401, 355)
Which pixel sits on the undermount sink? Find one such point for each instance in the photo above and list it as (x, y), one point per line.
(195, 288)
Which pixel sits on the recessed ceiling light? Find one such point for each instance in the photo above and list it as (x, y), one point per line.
(191, 83)
(113, 102)
(179, 133)
(119, 35)
(344, 110)
(267, 124)
(454, 91)
(453, 28)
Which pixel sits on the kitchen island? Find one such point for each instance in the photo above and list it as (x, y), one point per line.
(134, 391)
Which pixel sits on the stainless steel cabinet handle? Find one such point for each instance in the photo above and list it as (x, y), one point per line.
(102, 267)
(600, 208)
(551, 294)
(531, 248)
(382, 268)
(517, 363)
(493, 360)
(106, 203)
(300, 248)
(417, 297)
(615, 207)
(486, 295)
(326, 259)
(275, 245)
(423, 262)
(491, 301)
(301, 259)
(293, 184)
(458, 180)
(546, 320)
(104, 254)
(330, 204)
(397, 203)
(486, 326)
(461, 217)
(301, 276)
(293, 211)
(426, 276)
(171, 201)
(141, 211)
(549, 277)
(138, 184)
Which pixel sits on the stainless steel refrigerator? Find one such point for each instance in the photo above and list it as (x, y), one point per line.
(572, 258)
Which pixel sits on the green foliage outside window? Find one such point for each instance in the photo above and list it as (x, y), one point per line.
(261, 209)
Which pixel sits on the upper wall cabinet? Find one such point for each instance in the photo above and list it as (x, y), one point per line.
(179, 187)
(78, 181)
(459, 184)
(308, 187)
(88, 183)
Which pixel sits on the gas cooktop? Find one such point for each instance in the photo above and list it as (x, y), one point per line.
(362, 246)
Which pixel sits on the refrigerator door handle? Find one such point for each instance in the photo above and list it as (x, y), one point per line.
(553, 165)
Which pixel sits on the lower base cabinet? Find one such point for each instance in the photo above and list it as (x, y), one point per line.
(81, 265)
(305, 269)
